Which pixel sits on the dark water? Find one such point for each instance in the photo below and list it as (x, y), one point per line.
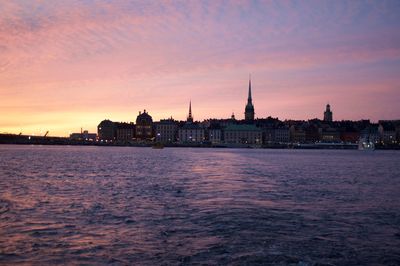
(109, 205)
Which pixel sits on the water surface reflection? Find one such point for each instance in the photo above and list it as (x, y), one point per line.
(102, 205)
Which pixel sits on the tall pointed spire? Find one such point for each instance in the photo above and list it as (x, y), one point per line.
(190, 117)
(249, 99)
(249, 110)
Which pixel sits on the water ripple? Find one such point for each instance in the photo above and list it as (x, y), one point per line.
(123, 206)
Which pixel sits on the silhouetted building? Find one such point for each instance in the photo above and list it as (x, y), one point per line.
(312, 133)
(387, 131)
(281, 135)
(220, 122)
(85, 135)
(249, 131)
(329, 134)
(249, 110)
(297, 134)
(191, 132)
(166, 130)
(268, 126)
(276, 135)
(370, 133)
(328, 117)
(242, 134)
(125, 131)
(144, 126)
(215, 134)
(349, 134)
(268, 134)
(106, 130)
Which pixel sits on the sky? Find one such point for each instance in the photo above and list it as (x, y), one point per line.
(67, 65)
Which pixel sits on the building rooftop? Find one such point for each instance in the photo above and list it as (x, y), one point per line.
(388, 126)
(144, 118)
(106, 123)
(167, 121)
(121, 125)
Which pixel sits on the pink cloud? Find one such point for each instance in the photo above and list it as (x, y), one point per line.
(116, 57)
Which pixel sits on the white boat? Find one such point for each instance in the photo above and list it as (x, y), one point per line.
(366, 145)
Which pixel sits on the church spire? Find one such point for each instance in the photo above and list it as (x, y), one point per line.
(249, 99)
(249, 110)
(190, 117)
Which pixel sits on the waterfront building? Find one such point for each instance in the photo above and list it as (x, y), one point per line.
(312, 132)
(370, 133)
(276, 135)
(249, 109)
(387, 131)
(215, 134)
(106, 130)
(124, 131)
(329, 134)
(75, 136)
(268, 126)
(297, 134)
(268, 134)
(84, 135)
(166, 130)
(191, 132)
(242, 134)
(281, 134)
(144, 126)
(328, 116)
(349, 134)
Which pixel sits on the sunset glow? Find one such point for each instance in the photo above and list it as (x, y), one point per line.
(70, 64)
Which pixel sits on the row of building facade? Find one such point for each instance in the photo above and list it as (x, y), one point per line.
(249, 131)
(262, 131)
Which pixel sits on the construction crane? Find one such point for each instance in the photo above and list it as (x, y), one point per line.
(45, 135)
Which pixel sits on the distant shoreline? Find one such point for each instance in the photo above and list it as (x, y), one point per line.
(62, 141)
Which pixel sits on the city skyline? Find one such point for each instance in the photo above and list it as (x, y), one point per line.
(64, 66)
